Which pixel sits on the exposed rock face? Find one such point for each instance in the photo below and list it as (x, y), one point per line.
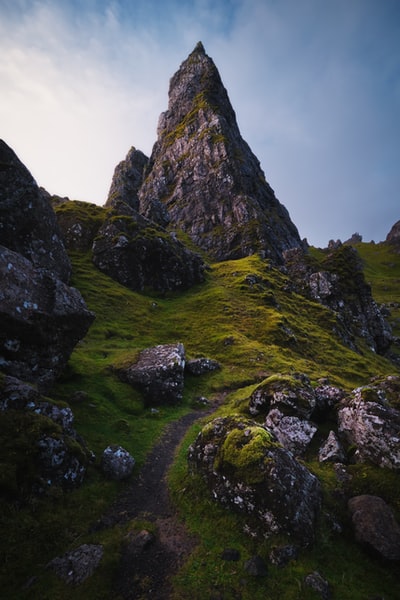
(375, 526)
(45, 449)
(338, 282)
(41, 320)
(394, 234)
(202, 176)
(117, 463)
(248, 470)
(142, 255)
(27, 222)
(158, 373)
(368, 422)
(127, 179)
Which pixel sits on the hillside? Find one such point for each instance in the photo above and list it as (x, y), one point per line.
(254, 330)
(193, 402)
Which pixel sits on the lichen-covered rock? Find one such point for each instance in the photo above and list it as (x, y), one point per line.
(158, 373)
(338, 282)
(293, 395)
(199, 366)
(41, 320)
(42, 449)
(326, 398)
(204, 179)
(117, 463)
(247, 469)
(127, 179)
(331, 450)
(319, 584)
(76, 566)
(375, 525)
(28, 224)
(368, 421)
(142, 255)
(293, 433)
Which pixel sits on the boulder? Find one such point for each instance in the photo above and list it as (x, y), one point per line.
(158, 373)
(331, 450)
(375, 526)
(319, 585)
(293, 433)
(28, 225)
(117, 463)
(368, 421)
(143, 256)
(41, 320)
(247, 470)
(293, 395)
(199, 366)
(326, 398)
(76, 566)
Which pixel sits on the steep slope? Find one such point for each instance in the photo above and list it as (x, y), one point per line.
(204, 179)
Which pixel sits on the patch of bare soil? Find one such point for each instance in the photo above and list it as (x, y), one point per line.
(147, 565)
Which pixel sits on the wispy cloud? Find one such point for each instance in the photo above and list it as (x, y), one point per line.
(315, 86)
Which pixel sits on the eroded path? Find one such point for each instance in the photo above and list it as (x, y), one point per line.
(146, 566)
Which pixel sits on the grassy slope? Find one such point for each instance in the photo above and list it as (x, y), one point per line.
(253, 330)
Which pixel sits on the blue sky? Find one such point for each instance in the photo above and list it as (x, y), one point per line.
(315, 85)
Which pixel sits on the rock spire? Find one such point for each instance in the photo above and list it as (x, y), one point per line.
(204, 179)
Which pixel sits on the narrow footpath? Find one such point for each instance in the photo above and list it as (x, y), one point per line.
(147, 564)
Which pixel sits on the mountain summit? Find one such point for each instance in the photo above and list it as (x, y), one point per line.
(204, 179)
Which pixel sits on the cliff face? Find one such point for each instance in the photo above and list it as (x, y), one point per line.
(204, 179)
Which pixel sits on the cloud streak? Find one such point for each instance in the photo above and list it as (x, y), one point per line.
(315, 86)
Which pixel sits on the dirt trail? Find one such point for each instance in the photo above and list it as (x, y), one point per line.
(146, 573)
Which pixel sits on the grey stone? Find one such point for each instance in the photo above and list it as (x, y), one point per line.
(375, 525)
(117, 463)
(158, 373)
(76, 566)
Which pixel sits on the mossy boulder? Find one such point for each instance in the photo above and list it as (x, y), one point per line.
(292, 394)
(246, 469)
(143, 256)
(370, 424)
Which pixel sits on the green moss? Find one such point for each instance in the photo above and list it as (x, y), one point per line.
(244, 452)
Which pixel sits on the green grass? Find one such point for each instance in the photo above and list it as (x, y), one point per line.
(243, 317)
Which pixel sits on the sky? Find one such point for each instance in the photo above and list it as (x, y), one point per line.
(315, 85)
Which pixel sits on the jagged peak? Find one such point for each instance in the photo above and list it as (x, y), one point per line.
(199, 48)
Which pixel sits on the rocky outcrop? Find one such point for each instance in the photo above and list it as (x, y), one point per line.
(41, 317)
(202, 176)
(44, 450)
(338, 283)
(375, 526)
(28, 224)
(371, 425)
(393, 237)
(142, 255)
(41, 320)
(292, 395)
(246, 469)
(158, 373)
(127, 179)
(79, 223)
